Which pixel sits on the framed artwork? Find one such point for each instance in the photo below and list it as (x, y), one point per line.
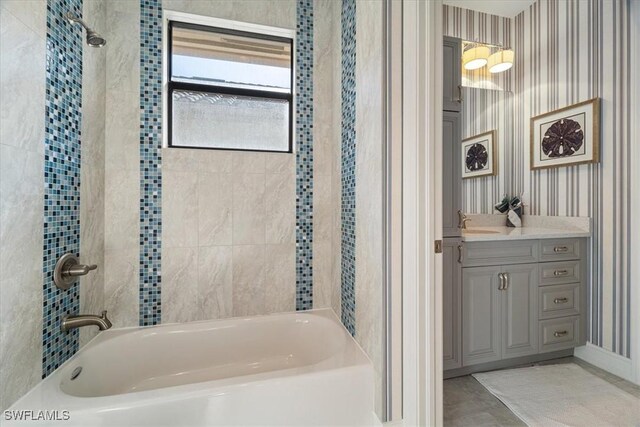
(565, 137)
(478, 155)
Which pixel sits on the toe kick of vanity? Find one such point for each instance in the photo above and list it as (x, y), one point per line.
(513, 302)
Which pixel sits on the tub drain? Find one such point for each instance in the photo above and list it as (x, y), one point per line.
(76, 373)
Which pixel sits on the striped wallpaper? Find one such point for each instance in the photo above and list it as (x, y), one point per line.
(570, 51)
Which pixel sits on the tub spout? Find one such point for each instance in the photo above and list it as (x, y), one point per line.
(72, 322)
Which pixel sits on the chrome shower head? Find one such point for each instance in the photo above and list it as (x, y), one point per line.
(93, 39)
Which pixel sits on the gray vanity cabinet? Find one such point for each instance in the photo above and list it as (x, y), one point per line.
(519, 310)
(451, 297)
(499, 312)
(481, 312)
(521, 300)
(452, 74)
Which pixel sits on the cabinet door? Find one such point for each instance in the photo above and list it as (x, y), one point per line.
(451, 76)
(451, 174)
(480, 315)
(451, 311)
(519, 310)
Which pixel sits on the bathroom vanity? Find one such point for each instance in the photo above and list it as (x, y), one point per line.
(513, 296)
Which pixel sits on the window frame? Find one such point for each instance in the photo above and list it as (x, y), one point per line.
(217, 89)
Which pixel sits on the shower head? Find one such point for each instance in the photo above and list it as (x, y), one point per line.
(93, 39)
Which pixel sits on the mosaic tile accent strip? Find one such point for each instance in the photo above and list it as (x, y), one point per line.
(63, 107)
(348, 214)
(304, 155)
(150, 160)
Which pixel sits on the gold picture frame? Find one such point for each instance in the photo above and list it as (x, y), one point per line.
(548, 132)
(488, 141)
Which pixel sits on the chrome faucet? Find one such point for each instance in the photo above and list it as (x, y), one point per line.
(72, 322)
(462, 220)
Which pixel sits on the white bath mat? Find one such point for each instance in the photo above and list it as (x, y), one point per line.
(562, 395)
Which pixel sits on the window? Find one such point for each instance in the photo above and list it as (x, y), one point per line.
(229, 89)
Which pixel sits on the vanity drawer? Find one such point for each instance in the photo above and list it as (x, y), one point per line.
(558, 334)
(558, 301)
(555, 273)
(475, 254)
(560, 249)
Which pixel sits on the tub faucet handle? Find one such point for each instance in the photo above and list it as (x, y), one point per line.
(80, 269)
(67, 269)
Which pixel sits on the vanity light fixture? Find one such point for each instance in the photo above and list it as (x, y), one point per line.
(500, 61)
(476, 57)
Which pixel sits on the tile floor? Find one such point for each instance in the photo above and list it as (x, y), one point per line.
(467, 403)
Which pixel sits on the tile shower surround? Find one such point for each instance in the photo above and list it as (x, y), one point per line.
(348, 165)
(150, 277)
(304, 155)
(150, 185)
(63, 114)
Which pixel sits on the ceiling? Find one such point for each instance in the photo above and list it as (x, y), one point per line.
(507, 8)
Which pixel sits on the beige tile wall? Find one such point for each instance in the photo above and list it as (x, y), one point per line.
(327, 155)
(228, 234)
(228, 241)
(92, 168)
(22, 84)
(229, 217)
(369, 227)
(121, 162)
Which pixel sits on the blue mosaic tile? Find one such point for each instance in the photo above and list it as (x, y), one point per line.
(304, 155)
(348, 166)
(63, 106)
(150, 161)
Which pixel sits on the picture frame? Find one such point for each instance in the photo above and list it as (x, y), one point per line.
(566, 137)
(479, 155)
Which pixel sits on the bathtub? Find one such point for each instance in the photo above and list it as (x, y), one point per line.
(286, 369)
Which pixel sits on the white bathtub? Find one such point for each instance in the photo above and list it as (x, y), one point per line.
(285, 369)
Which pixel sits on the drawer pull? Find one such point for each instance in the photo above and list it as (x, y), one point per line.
(460, 253)
(560, 249)
(559, 334)
(562, 300)
(561, 273)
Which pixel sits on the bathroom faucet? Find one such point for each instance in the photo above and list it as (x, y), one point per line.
(463, 220)
(72, 322)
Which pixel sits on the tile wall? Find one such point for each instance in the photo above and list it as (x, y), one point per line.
(348, 165)
(327, 155)
(150, 231)
(229, 217)
(23, 29)
(369, 119)
(62, 157)
(122, 163)
(92, 220)
(304, 153)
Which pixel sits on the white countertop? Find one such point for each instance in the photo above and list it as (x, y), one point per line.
(522, 233)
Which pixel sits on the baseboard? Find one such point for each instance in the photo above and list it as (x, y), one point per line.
(513, 362)
(606, 360)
